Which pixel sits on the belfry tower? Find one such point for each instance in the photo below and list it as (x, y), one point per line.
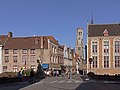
(79, 43)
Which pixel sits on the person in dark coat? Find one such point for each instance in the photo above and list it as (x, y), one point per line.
(32, 76)
(20, 76)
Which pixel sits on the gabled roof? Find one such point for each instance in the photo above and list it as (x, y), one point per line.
(53, 39)
(98, 29)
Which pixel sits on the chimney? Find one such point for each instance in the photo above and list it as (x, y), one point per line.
(10, 34)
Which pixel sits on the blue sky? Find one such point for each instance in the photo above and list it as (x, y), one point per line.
(59, 18)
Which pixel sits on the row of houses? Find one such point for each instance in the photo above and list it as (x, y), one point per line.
(102, 51)
(23, 52)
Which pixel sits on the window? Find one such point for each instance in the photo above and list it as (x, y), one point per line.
(106, 61)
(4, 68)
(94, 61)
(6, 59)
(24, 51)
(54, 49)
(106, 47)
(78, 48)
(94, 47)
(44, 44)
(51, 59)
(54, 59)
(117, 46)
(117, 61)
(24, 58)
(14, 51)
(32, 58)
(80, 33)
(32, 51)
(15, 59)
(6, 51)
(15, 68)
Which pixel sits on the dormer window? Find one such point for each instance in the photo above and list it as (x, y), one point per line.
(105, 33)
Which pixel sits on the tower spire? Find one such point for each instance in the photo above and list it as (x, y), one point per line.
(92, 22)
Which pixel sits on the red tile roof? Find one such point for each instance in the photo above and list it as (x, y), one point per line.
(22, 43)
(28, 42)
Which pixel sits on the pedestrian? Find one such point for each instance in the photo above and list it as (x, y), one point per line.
(48, 73)
(62, 73)
(23, 73)
(54, 73)
(69, 75)
(57, 72)
(20, 76)
(32, 76)
(51, 72)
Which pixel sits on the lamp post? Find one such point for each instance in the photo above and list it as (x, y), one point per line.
(90, 62)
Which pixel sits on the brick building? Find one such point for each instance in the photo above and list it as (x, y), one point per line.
(17, 52)
(103, 47)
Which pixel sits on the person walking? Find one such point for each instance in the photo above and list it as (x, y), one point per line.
(69, 75)
(20, 76)
(32, 76)
(57, 72)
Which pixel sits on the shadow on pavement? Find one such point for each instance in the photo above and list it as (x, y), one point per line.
(97, 86)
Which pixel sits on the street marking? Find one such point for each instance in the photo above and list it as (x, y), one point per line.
(53, 82)
(109, 82)
(87, 79)
(68, 81)
(78, 81)
(61, 81)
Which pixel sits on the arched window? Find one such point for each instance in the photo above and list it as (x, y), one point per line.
(94, 47)
(94, 53)
(117, 52)
(106, 60)
(117, 46)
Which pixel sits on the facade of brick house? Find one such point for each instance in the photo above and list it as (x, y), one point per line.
(103, 47)
(17, 52)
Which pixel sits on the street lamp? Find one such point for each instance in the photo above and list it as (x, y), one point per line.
(90, 62)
